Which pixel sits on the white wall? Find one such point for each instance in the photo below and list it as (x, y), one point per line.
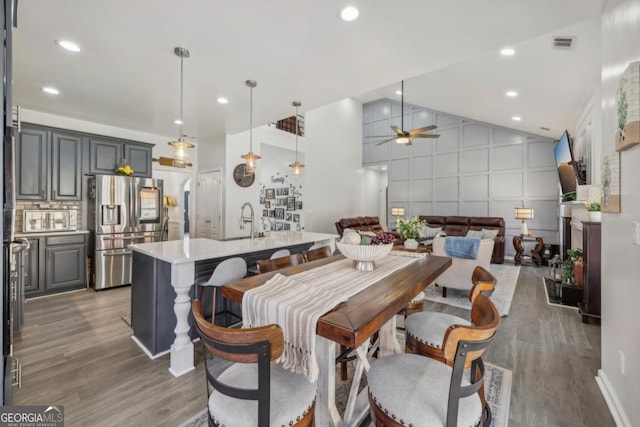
(335, 181)
(620, 266)
(236, 196)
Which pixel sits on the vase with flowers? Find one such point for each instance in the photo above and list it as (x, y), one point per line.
(409, 229)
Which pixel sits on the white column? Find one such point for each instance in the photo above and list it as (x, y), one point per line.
(182, 278)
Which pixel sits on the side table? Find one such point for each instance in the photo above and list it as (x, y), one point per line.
(536, 253)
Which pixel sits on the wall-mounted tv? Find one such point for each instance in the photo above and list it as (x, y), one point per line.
(567, 167)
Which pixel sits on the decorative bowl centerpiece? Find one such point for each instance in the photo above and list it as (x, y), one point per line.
(364, 255)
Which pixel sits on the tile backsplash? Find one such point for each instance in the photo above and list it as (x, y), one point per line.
(22, 205)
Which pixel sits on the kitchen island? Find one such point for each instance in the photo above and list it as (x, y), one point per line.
(163, 274)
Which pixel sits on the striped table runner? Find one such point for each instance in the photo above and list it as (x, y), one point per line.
(297, 302)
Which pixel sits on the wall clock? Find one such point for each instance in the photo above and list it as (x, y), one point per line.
(242, 178)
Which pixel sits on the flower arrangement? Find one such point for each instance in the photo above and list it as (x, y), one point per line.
(593, 207)
(409, 228)
(124, 170)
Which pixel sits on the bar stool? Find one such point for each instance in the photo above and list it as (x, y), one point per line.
(229, 270)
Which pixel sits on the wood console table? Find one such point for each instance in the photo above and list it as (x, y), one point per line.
(536, 253)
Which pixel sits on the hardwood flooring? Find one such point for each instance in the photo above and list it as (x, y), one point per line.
(76, 351)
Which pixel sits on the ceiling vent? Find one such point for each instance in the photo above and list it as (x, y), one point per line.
(562, 42)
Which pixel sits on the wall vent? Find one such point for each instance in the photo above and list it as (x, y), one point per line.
(563, 42)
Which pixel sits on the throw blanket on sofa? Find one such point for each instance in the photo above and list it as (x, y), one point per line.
(462, 247)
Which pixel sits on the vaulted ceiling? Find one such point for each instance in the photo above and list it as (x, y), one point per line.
(446, 51)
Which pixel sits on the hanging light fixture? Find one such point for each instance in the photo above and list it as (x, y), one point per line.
(297, 166)
(250, 157)
(180, 147)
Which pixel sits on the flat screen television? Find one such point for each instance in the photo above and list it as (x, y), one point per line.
(568, 171)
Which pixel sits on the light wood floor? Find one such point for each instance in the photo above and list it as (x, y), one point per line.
(77, 352)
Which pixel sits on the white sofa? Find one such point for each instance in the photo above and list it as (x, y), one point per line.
(458, 276)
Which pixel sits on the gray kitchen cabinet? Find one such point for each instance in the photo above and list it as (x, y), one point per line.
(32, 164)
(33, 259)
(48, 164)
(56, 264)
(105, 154)
(66, 166)
(139, 158)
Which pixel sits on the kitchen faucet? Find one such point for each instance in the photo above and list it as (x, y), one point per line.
(244, 219)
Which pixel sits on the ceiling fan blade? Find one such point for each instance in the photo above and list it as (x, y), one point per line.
(386, 140)
(397, 130)
(424, 129)
(428, 135)
(381, 136)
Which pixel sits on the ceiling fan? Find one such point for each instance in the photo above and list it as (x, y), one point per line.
(402, 136)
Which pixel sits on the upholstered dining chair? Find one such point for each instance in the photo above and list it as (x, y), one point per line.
(227, 271)
(266, 265)
(317, 253)
(426, 330)
(283, 398)
(439, 394)
(280, 253)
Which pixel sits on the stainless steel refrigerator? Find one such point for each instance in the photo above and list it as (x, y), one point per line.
(121, 210)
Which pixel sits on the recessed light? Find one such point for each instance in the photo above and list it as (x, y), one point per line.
(516, 118)
(349, 14)
(512, 94)
(178, 122)
(222, 100)
(51, 90)
(507, 51)
(68, 45)
(398, 92)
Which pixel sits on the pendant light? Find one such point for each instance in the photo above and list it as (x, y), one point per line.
(180, 147)
(296, 166)
(250, 157)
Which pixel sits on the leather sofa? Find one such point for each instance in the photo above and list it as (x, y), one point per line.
(364, 223)
(459, 225)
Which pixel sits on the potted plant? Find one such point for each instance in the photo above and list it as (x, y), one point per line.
(572, 267)
(593, 210)
(409, 229)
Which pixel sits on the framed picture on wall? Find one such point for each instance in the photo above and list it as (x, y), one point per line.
(299, 205)
(272, 213)
(611, 182)
(265, 212)
(270, 193)
(628, 108)
(287, 227)
(267, 204)
(289, 216)
(291, 203)
(278, 191)
(285, 191)
(296, 218)
(279, 213)
(279, 226)
(262, 200)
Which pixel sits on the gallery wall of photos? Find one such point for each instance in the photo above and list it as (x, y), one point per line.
(281, 203)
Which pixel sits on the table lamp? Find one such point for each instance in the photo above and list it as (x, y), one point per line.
(523, 214)
(397, 211)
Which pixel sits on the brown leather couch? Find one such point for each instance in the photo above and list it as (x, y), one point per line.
(459, 225)
(361, 223)
(365, 223)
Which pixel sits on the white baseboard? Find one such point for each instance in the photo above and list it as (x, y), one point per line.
(609, 394)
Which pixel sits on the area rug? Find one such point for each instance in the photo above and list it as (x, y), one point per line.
(553, 291)
(497, 391)
(502, 296)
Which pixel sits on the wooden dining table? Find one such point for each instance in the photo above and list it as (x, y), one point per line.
(352, 324)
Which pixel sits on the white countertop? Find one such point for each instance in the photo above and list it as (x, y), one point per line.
(189, 250)
(52, 233)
